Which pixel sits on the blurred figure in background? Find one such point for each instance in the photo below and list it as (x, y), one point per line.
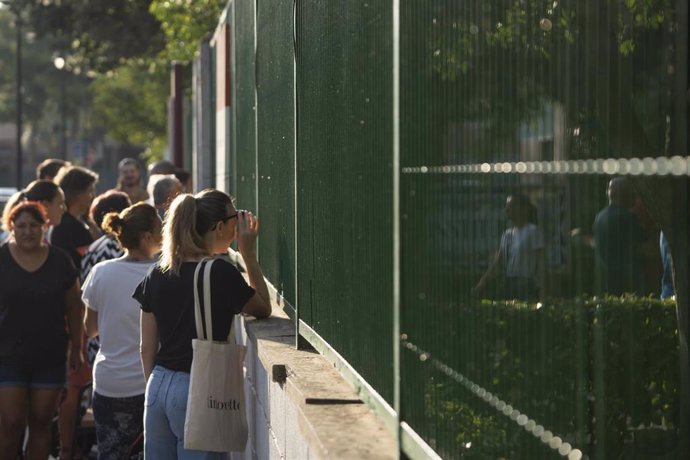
(667, 289)
(48, 169)
(618, 242)
(156, 171)
(161, 167)
(185, 179)
(130, 181)
(165, 189)
(520, 256)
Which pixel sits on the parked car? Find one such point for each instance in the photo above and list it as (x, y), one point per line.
(5, 194)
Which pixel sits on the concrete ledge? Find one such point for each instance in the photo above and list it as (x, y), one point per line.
(305, 392)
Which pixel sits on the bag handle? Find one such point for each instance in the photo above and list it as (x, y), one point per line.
(197, 305)
(207, 263)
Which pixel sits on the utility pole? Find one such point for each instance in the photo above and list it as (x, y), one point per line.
(16, 9)
(59, 63)
(20, 159)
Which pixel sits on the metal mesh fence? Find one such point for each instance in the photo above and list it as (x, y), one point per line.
(344, 216)
(245, 129)
(508, 233)
(276, 143)
(530, 319)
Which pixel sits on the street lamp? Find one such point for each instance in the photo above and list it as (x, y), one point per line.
(16, 9)
(59, 63)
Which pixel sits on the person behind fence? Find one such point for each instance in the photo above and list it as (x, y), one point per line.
(39, 286)
(520, 256)
(667, 288)
(618, 242)
(198, 226)
(118, 378)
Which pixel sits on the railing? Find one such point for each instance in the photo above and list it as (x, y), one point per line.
(378, 142)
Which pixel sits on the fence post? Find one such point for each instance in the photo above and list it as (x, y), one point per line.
(397, 403)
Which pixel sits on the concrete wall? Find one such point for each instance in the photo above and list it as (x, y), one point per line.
(298, 406)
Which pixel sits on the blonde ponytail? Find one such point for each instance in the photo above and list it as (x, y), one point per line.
(180, 238)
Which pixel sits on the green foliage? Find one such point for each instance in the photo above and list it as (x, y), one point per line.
(583, 368)
(125, 46)
(41, 80)
(185, 23)
(130, 103)
(100, 35)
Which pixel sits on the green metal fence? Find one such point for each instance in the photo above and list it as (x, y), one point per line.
(431, 179)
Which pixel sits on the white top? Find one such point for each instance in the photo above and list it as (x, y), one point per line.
(519, 250)
(117, 371)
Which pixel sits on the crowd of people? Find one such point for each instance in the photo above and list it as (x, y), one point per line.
(99, 290)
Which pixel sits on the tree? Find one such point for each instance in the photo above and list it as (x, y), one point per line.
(99, 35)
(185, 23)
(130, 103)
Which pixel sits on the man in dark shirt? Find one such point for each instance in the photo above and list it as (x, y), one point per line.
(74, 234)
(618, 242)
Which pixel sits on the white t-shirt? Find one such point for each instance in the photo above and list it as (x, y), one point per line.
(117, 371)
(519, 250)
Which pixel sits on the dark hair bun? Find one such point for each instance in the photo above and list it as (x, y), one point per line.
(112, 223)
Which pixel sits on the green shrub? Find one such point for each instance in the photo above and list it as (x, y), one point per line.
(596, 371)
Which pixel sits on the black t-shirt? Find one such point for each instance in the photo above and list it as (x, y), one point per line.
(73, 236)
(171, 300)
(32, 308)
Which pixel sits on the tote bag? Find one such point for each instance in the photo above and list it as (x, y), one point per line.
(216, 420)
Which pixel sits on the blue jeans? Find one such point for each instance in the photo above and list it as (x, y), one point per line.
(166, 407)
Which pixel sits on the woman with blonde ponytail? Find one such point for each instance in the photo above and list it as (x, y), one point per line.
(197, 226)
(118, 379)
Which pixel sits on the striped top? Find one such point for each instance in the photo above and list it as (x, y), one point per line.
(104, 248)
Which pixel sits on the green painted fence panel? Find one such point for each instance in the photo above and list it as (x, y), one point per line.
(276, 143)
(244, 105)
(344, 181)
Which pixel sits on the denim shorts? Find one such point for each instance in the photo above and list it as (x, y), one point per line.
(32, 375)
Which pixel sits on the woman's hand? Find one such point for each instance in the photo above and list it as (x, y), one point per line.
(247, 231)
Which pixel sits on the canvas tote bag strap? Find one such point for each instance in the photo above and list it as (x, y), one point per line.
(206, 263)
(197, 306)
(207, 298)
(207, 303)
